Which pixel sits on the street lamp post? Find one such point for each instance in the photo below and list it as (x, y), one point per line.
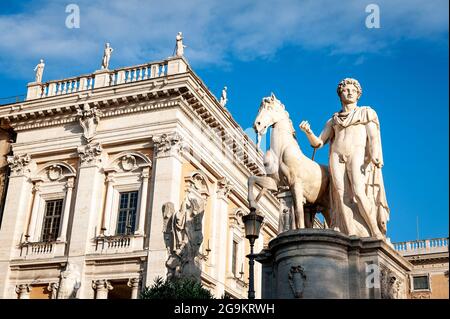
(252, 223)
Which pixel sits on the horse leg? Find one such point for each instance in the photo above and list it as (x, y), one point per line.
(309, 216)
(251, 198)
(265, 182)
(297, 192)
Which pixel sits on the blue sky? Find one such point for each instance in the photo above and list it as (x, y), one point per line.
(299, 50)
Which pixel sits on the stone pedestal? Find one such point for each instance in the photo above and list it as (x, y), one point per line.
(102, 78)
(34, 90)
(322, 263)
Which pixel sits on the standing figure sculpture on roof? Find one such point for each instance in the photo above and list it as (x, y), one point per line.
(39, 68)
(179, 50)
(106, 56)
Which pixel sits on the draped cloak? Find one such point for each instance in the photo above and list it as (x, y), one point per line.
(373, 177)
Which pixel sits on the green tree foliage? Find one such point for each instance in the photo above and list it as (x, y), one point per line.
(185, 288)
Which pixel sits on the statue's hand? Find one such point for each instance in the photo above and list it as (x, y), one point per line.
(378, 163)
(305, 127)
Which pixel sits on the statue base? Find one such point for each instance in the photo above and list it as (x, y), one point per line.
(322, 263)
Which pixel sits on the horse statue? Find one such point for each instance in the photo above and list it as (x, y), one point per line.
(287, 167)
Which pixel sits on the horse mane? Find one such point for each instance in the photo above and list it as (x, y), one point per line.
(294, 134)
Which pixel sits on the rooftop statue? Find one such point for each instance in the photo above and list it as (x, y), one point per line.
(223, 98)
(358, 199)
(179, 49)
(39, 68)
(106, 56)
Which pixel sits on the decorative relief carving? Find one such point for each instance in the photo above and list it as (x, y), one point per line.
(183, 234)
(23, 289)
(297, 280)
(70, 282)
(133, 282)
(53, 288)
(196, 183)
(88, 119)
(421, 295)
(235, 218)
(101, 285)
(168, 144)
(128, 162)
(90, 153)
(54, 172)
(391, 286)
(19, 164)
(224, 187)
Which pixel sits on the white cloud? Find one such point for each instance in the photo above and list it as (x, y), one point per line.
(215, 31)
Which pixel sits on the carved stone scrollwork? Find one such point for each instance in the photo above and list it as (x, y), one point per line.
(224, 187)
(421, 295)
(90, 153)
(19, 164)
(391, 286)
(235, 218)
(101, 287)
(88, 119)
(297, 280)
(23, 291)
(168, 144)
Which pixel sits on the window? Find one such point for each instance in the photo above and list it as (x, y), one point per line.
(52, 219)
(234, 258)
(421, 283)
(126, 222)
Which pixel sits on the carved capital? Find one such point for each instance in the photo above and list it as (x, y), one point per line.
(53, 288)
(70, 182)
(101, 285)
(23, 290)
(168, 144)
(19, 164)
(90, 153)
(224, 187)
(133, 283)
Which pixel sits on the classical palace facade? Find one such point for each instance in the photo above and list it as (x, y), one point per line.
(111, 179)
(429, 275)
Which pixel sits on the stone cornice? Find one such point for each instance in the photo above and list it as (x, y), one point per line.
(164, 92)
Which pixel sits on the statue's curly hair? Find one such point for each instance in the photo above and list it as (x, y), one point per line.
(346, 81)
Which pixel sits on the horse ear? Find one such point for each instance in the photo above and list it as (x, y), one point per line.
(272, 96)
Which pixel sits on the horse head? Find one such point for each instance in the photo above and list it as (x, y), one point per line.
(270, 112)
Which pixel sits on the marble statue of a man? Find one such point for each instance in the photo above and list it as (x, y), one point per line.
(179, 46)
(106, 56)
(39, 70)
(223, 98)
(358, 197)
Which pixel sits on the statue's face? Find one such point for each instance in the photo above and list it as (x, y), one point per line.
(349, 94)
